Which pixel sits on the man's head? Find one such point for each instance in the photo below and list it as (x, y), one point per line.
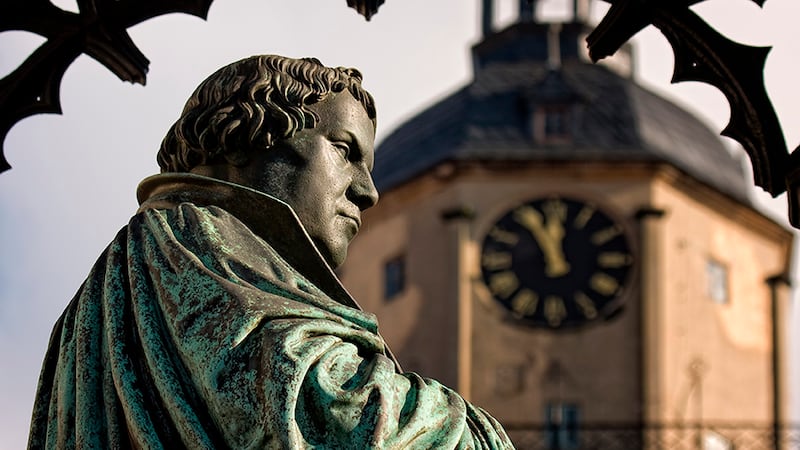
(247, 106)
(292, 128)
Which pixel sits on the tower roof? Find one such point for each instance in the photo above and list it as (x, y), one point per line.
(521, 92)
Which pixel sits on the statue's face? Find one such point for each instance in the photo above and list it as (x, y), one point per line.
(323, 173)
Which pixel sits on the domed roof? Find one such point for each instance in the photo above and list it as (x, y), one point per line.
(602, 116)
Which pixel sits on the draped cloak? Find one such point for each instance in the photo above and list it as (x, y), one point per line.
(212, 321)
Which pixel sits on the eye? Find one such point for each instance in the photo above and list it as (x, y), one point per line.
(343, 149)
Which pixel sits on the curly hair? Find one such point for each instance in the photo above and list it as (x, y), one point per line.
(252, 104)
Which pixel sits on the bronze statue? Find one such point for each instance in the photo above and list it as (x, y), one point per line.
(214, 319)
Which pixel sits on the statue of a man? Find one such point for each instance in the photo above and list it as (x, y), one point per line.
(214, 319)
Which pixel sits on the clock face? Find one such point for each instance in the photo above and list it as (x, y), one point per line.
(556, 262)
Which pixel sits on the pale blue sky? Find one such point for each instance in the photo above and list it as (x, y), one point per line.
(74, 176)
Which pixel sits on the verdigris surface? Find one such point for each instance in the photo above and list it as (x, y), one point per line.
(214, 319)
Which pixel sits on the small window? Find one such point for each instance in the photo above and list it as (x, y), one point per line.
(717, 275)
(394, 277)
(561, 426)
(551, 124)
(555, 122)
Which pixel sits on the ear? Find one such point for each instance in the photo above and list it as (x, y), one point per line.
(283, 152)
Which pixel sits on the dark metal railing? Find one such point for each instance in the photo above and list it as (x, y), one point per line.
(694, 436)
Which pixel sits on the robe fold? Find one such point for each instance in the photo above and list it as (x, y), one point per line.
(212, 321)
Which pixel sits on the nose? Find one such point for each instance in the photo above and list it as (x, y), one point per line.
(362, 189)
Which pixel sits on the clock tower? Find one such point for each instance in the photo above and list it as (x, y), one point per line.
(575, 254)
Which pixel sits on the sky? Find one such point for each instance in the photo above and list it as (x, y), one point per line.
(74, 175)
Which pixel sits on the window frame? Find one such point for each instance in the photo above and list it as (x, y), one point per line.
(394, 277)
(718, 281)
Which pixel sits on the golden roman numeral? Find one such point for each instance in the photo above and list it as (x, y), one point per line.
(503, 284)
(554, 310)
(583, 216)
(586, 305)
(525, 303)
(504, 236)
(613, 260)
(606, 234)
(494, 261)
(555, 209)
(604, 283)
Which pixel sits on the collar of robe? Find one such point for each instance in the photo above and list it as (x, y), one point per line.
(269, 218)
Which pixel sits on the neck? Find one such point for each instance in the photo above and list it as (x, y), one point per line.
(266, 216)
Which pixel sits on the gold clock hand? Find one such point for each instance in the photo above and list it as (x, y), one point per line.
(549, 237)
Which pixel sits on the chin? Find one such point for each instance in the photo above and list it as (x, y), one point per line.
(333, 256)
(337, 260)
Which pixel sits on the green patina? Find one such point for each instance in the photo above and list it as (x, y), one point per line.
(168, 347)
(213, 320)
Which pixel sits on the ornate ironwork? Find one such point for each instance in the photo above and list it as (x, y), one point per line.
(684, 436)
(366, 8)
(702, 54)
(100, 31)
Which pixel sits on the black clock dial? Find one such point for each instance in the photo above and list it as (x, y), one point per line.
(556, 262)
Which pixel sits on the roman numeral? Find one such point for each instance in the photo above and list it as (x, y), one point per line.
(586, 305)
(495, 261)
(583, 216)
(554, 310)
(555, 209)
(606, 234)
(503, 284)
(504, 236)
(525, 302)
(614, 260)
(604, 283)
